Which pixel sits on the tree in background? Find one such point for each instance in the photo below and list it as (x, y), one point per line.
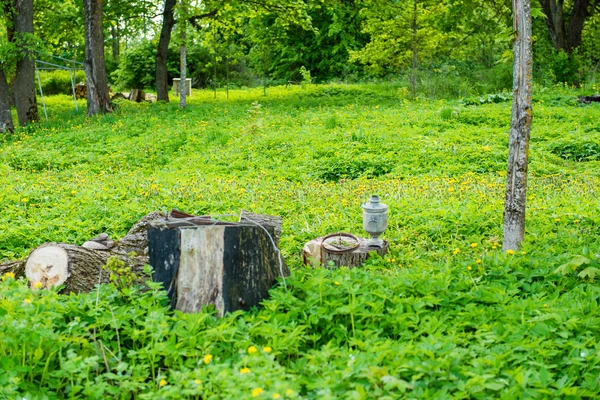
(168, 21)
(94, 64)
(7, 61)
(24, 83)
(522, 116)
(566, 21)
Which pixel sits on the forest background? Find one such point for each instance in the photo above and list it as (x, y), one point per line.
(438, 48)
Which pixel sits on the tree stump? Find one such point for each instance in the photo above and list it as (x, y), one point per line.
(229, 265)
(137, 95)
(316, 254)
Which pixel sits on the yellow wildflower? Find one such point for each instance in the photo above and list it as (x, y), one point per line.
(162, 382)
(8, 275)
(289, 392)
(276, 395)
(208, 358)
(336, 283)
(478, 261)
(469, 268)
(27, 301)
(197, 381)
(456, 251)
(251, 350)
(244, 370)
(473, 245)
(38, 285)
(267, 349)
(257, 392)
(510, 252)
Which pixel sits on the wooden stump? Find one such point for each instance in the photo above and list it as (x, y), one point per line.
(229, 265)
(137, 95)
(317, 255)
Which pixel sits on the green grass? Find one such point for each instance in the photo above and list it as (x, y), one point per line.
(445, 314)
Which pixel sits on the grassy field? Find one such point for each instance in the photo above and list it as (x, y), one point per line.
(445, 314)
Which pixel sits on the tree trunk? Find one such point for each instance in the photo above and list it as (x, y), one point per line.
(522, 116)
(6, 122)
(24, 84)
(116, 46)
(566, 32)
(162, 80)
(94, 65)
(182, 54)
(414, 48)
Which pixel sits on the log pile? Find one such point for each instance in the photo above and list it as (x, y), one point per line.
(79, 268)
(81, 90)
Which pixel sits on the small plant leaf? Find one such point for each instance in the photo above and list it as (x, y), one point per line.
(572, 265)
(589, 272)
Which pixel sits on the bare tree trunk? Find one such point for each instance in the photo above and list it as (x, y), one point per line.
(415, 59)
(162, 83)
(183, 60)
(522, 116)
(94, 65)
(566, 28)
(6, 122)
(227, 71)
(24, 85)
(116, 48)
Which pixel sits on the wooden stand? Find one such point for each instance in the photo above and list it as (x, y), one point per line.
(201, 261)
(316, 255)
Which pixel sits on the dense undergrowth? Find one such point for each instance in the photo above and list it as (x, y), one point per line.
(445, 314)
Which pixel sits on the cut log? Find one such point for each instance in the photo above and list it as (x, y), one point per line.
(229, 265)
(136, 239)
(589, 99)
(16, 267)
(76, 267)
(80, 268)
(317, 255)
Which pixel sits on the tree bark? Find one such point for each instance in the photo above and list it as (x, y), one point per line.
(116, 45)
(24, 84)
(94, 64)
(162, 81)
(6, 122)
(522, 116)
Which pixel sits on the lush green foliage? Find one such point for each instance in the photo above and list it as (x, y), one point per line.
(446, 313)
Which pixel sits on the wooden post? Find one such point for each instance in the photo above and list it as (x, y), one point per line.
(522, 116)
